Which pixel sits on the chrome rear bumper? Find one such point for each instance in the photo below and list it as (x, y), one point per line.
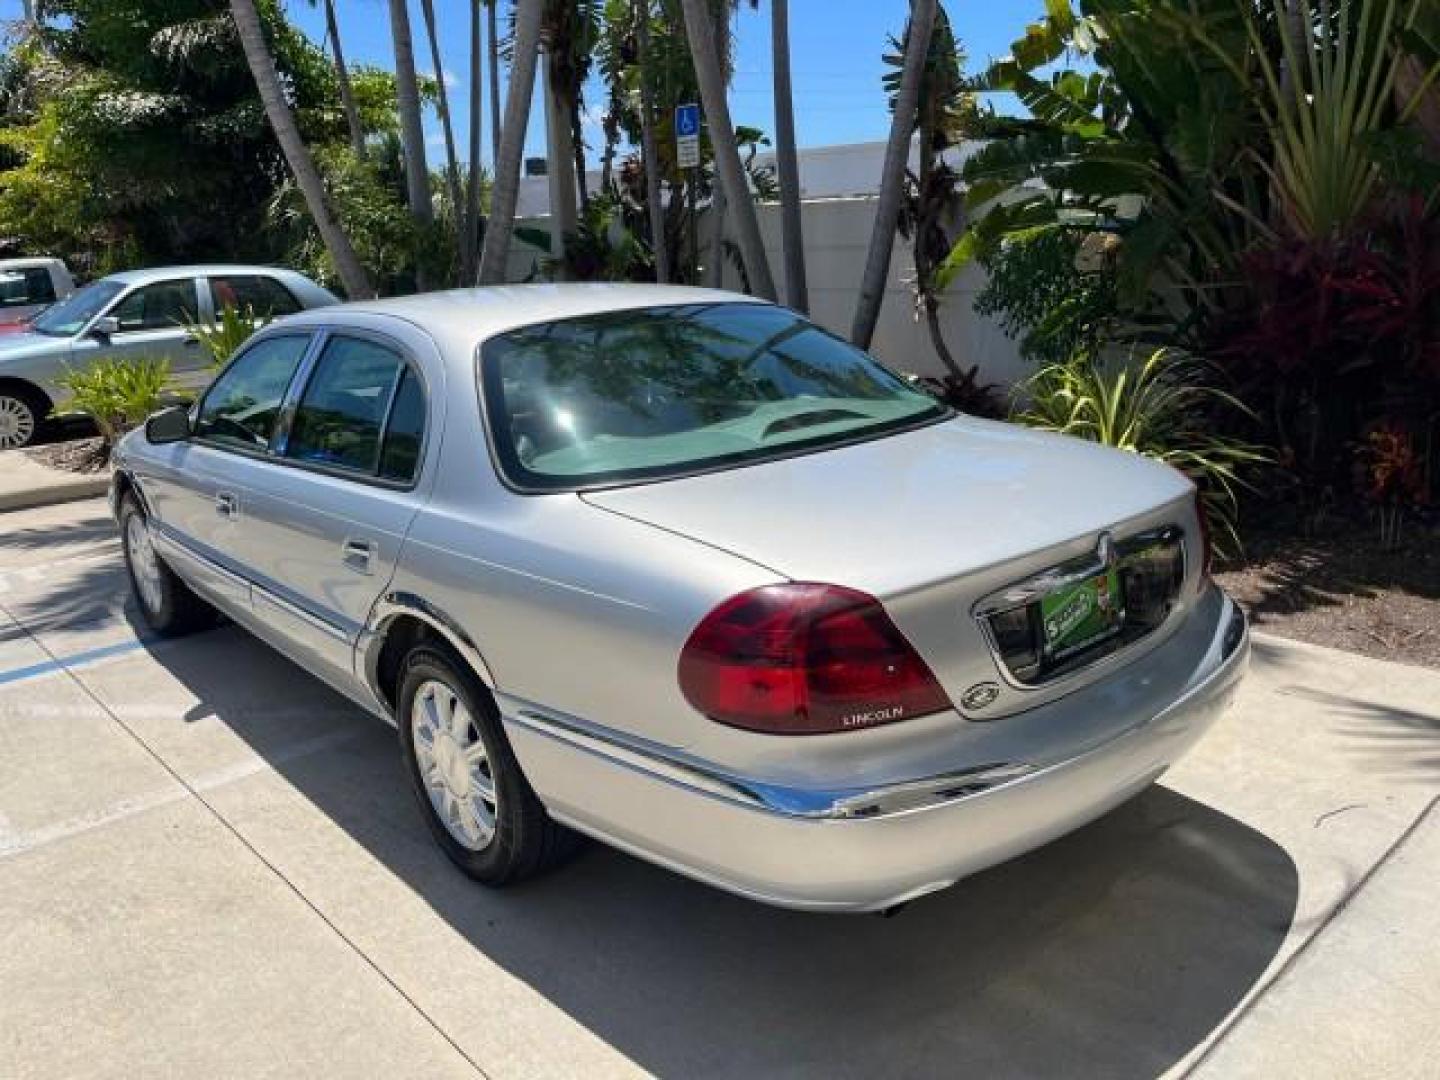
(860, 850)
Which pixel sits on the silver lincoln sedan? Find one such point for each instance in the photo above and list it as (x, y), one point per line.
(684, 572)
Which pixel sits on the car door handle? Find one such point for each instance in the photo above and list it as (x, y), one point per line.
(191, 342)
(358, 554)
(227, 505)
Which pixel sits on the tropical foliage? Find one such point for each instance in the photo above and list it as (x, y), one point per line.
(116, 394)
(223, 337)
(1162, 405)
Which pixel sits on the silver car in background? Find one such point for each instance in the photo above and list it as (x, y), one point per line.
(138, 313)
(682, 571)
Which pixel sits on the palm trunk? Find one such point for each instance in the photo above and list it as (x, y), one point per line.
(452, 160)
(342, 76)
(649, 156)
(792, 234)
(892, 178)
(267, 80)
(506, 189)
(412, 134)
(560, 162)
(492, 42)
(701, 32)
(715, 272)
(470, 246)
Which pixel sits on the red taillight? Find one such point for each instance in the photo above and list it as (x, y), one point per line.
(803, 658)
(1207, 554)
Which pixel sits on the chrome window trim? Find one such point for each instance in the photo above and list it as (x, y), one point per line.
(1064, 574)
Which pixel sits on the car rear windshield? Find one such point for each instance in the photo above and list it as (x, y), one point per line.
(70, 315)
(661, 392)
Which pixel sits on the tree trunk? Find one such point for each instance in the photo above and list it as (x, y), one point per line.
(559, 162)
(412, 134)
(267, 80)
(470, 246)
(342, 76)
(506, 188)
(649, 156)
(492, 41)
(701, 32)
(715, 272)
(892, 178)
(452, 160)
(796, 292)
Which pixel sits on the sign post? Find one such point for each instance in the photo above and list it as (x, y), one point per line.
(687, 136)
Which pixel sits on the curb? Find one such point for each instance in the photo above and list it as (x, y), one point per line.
(70, 489)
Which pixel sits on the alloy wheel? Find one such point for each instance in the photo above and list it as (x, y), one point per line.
(144, 563)
(17, 422)
(454, 764)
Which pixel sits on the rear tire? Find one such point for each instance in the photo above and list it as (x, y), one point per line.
(470, 789)
(166, 603)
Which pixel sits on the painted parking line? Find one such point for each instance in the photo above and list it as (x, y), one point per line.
(89, 656)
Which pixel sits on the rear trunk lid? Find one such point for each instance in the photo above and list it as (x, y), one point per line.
(932, 522)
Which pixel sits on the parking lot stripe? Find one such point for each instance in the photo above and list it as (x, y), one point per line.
(47, 667)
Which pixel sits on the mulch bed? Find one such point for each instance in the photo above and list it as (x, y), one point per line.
(76, 455)
(1342, 590)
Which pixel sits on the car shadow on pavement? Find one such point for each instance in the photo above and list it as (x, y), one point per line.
(1114, 951)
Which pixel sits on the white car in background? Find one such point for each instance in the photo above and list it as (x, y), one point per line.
(28, 287)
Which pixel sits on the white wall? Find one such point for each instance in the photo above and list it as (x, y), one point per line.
(837, 235)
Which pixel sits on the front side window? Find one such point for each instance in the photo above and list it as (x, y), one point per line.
(253, 294)
(243, 405)
(661, 392)
(358, 388)
(167, 305)
(73, 314)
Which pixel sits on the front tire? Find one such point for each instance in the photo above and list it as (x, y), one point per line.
(473, 796)
(166, 603)
(20, 416)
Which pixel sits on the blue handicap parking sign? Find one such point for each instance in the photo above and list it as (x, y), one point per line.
(687, 120)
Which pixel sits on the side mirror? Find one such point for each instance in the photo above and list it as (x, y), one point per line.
(168, 426)
(105, 326)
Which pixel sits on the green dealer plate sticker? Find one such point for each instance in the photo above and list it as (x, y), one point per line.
(1075, 616)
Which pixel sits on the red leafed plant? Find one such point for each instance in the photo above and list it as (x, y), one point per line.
(1393, 477)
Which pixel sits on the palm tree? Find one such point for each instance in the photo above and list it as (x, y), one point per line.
(412, 134)
(649, 156)
(342, 76)
(792, 237)
(492, 44)
(470, 228)
(892, 177)
(701, 32)
(560, 163)
(506, 189)
(287, 134)
(452, 162)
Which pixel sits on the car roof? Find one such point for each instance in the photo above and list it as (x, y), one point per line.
(464, 317)
(30, 262)
(163, 273)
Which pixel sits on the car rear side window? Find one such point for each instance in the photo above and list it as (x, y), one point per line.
(254, 293)
(21, 288)
(362, 411)
(243, 405)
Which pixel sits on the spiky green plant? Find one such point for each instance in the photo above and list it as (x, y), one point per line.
(116, 394)
(223, 337)
(1163, 406)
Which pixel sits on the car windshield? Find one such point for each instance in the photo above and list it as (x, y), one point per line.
(69, 316)
(661, 392)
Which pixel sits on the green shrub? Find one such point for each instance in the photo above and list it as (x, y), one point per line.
(1164, 407)
(226, 334)
(116, 394)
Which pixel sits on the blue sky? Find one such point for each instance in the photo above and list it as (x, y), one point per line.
(835, 59)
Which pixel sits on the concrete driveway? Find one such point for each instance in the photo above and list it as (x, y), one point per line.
(210, 866)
